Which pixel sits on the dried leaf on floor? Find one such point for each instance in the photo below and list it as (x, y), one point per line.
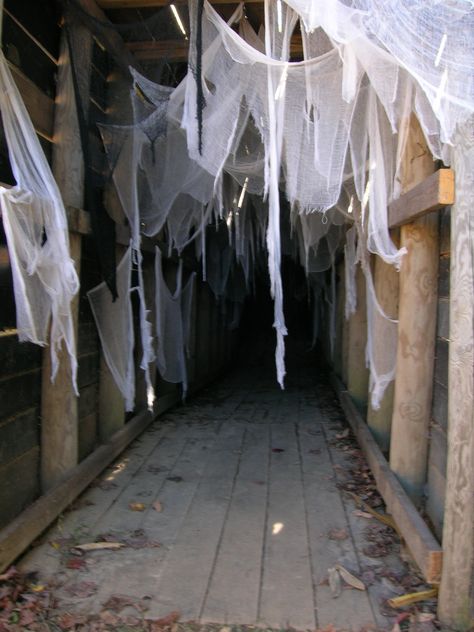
(411, 598)
(98, 546)
(362, 514)
(137, 506)
(338, 534)
(349, 578)
(168, 620)
(76, 563)
(335, 583)
(174, 479)
(344, 434)
(117, 603)
(81, 590)
(157, 506)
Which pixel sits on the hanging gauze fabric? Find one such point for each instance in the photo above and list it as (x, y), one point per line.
(44, 278)
(114, 320)
(173, 324)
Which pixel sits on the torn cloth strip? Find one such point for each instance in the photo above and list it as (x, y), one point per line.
(44, 278)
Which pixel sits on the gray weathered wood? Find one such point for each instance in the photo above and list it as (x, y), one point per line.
(416, 329)
(432, 193)
(357, 372)
(59, 444)
(456, 598)
(19, 534)
(423, 546)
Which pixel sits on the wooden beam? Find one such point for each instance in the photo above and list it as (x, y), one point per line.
(386, 282)
(40, 107)
(357, 372)
(456, 597)
(417, 313)
(422, 544)
(142, 4)
(110, 39)
(59, 407)
(177, 50)
(432, 194)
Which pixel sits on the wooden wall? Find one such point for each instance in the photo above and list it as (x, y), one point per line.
(31, 50)
(436, 483)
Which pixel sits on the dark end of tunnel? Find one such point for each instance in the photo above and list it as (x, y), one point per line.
(256, 334)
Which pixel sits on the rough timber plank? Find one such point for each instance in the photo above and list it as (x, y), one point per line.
(423, 546)
(286, 598)
(140, 4)
(234, 588)
(325, 511)
(188, 566)
(456, 599)
(17, 536)
(40, 107)
(433, 193)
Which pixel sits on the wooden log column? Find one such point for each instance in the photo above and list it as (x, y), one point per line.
(340, 304)
(456, 597)
(357, 372)
(59, 426)
(416, 329)
(386, 282)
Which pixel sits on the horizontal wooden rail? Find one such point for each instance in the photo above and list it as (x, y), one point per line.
(433, 193)
(40, 107)
(424, 547)
(19, 534)
(177, 50)
(16, 537)
(142, 4)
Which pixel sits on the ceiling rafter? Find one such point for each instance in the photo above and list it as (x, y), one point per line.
(144, 4)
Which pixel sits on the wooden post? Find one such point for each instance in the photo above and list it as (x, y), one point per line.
(456, 597)
(59, 426)
(340, 298)
(357, 372)
(416, 329)
(386, 279)
(111, 402)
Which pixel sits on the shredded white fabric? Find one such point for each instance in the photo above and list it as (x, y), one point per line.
(44, 277)
(173, 325)
(114, 322)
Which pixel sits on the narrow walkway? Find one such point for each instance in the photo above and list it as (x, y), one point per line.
(231, 511)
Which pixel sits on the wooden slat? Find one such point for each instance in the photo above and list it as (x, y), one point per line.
(177, 50)
(422, 544)
(40, 107)
(110, 39)
(141, 4)
(435, 192)
(18, 535)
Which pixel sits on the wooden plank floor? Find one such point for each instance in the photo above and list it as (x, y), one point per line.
(245, 475)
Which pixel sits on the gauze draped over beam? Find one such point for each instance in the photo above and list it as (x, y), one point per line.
(44, 278)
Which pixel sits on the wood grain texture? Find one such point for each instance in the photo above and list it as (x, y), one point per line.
(386, 282)
(40, 107)
(416, 329)
(357, 372)
(456, 606)
(422, 544)
(19, 534)
(60, 442)
(431, 194)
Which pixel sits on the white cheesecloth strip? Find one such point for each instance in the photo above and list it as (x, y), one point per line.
(114, 322)
(44, 277)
